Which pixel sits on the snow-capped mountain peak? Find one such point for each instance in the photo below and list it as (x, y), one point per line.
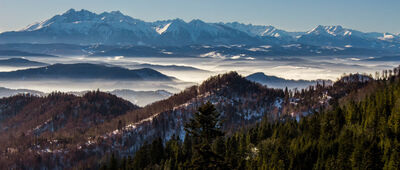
(339, 31)
(175, 25)
(84, 20)
(72, 10)
(330, 30)
(72, 16)
(85, 27)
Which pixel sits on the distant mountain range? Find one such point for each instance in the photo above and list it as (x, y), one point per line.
(169, 67)
(140, 98)
(20, 62)
(6, 92)
(29, 49)
(281, 83)
(114, 28)
(85, 71)
(8, 53)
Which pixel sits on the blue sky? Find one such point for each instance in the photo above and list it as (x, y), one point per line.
(291, 15)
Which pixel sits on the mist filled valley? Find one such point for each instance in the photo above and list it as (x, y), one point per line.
(187, 71)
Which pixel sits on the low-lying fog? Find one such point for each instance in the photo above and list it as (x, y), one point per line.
(74, 85)
(308, 68)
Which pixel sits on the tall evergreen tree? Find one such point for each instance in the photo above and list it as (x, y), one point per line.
(206, 126)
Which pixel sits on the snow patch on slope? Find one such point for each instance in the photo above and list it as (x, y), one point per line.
(163, 29)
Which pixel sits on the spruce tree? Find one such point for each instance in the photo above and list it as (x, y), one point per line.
(206, 127)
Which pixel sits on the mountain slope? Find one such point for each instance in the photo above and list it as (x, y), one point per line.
(57, 109)
(164, 118)
(240, 102)
(85, 71)
(30, 122)
(362, 132)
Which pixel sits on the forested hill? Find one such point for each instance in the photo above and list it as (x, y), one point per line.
(105, 124)
(359, 130)
(89, 133)
(31, 125)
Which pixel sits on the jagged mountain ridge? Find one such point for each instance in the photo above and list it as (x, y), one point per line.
(265, 31)
(85, 27)
(343, 37)
(114, 28)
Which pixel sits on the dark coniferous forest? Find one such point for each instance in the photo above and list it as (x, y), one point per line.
(359, 130)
